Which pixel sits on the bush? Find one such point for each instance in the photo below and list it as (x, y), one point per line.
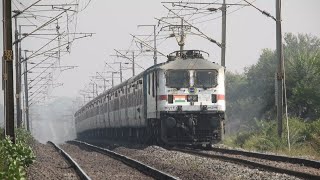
(23, 136)
(15, 157)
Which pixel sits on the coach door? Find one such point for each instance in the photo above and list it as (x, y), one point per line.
(151, 95)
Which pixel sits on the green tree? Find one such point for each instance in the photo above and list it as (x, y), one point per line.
(251, 95)
(302, 62)
(261, 81)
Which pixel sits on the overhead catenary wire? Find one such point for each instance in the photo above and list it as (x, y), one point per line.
(68, 22)
(85, 7)
(124, 56)
(210, 39)
(147, 45)
(262, 11)
(69, 19)
(220, 16)
(200, 10)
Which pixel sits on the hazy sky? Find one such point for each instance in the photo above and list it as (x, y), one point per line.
(248, 32)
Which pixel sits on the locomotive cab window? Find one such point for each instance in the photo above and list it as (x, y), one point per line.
(177, 79)
(205, 78)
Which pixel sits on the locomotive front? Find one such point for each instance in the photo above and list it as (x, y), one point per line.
(192, 99)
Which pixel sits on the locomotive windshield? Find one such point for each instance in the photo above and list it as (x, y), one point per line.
(177, 78)
(205, 78)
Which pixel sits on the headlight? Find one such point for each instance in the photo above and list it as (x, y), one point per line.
(170, 99)
(214, 98)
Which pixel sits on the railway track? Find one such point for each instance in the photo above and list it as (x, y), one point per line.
(298, 167)
(143, 168)
(80, 172)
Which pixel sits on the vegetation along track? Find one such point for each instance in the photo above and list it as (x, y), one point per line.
(75, 165)
(145, 169)
(298, 167)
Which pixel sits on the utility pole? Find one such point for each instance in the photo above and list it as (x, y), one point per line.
(8, 74)
(130, 59)
(154, 43)
(96, 89)
(59, 41)
(84, 99)
(4, 71)
(104, 81)
(181, 43)
(26, 89)
(112, 80)
(133, 64)
(280, 73)
(18, 76)
(224, 29)
(120, 72)
(92, 90)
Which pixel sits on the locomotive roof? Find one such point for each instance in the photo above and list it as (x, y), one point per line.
(198, 63)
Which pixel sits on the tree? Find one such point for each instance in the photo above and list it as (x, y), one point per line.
(302, 57)
(251, 95)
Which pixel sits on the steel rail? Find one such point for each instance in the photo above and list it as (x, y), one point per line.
(250, 163)
(148, 170)
(80, 172)
(287, 159)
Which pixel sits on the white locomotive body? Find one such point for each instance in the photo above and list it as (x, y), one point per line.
(181, 101)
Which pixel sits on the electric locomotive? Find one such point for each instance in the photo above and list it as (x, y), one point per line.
(181, 101)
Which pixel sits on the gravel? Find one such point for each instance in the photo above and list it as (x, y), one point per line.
(49, 164)
(99, 166)
(187, 166)
(295, 167)
(314, 158)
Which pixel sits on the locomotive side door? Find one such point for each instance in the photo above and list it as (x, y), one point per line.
(152, 95)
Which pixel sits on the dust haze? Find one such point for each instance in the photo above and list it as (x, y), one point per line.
(55, 121)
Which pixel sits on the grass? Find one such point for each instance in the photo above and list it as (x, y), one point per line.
(262, 137)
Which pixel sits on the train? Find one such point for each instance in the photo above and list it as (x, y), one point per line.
(178, 102)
